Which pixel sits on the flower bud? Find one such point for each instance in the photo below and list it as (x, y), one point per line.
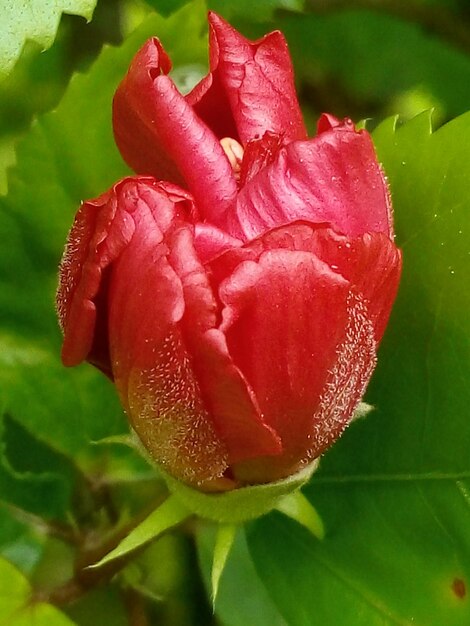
(237, 306)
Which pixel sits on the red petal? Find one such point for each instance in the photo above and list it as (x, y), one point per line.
(301, 335)
(328, 122)
(81, 277)
(134, 129)
(211, 242)
(333, 178)
(151, 364)
(159, 133)
(234, 410)
(284, 342)
(100, 233)
(153, 370)
(371, 263)
(258, 154)
(255, 79)
(209, 100)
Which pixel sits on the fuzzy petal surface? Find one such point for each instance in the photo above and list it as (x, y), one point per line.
(230, 400)
(372, 263)
(319, 342)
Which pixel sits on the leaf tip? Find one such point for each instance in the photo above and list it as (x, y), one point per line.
(223, 544)
(299, 508)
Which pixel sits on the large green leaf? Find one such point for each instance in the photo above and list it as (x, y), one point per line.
(395, 491)
(18, 607)
(66, 409)
(34, 20)
(53, 418)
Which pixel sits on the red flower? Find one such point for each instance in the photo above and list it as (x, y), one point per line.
(237, 306)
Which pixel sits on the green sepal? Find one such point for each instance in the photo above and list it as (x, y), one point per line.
(167, 515)
(223, 544)
(239, 505)
(299, 508)
(229, 508)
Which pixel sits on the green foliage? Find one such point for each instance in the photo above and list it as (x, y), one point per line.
(261, 10)
(18, 607)
(20, 541)
(166, 7)
(225, 538)
(37, 481)
(394, 492)
(35, 20)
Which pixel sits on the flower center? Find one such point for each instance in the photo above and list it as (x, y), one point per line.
(234, 152)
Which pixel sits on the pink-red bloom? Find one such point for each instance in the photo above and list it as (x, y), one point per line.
(236, 289)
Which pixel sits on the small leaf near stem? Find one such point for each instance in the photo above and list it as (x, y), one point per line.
(223, 544)
(298, 507)
(169, 514)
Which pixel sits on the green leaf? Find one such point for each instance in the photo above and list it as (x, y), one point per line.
(33, 20)
(167, 515)
(65, 409)
(18, 607)
(20, 543)
(394, 492)
(7, 159)
(32, 476)
(101, 605)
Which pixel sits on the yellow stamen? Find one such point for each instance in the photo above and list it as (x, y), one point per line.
(234, 152)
